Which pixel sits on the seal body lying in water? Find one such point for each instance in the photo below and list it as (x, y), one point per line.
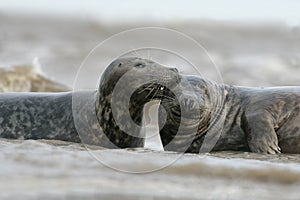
(202, 116)
(110, 116)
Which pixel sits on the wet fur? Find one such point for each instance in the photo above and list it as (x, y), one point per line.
(262, 120)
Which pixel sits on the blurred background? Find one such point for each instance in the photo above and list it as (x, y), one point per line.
(254, 43)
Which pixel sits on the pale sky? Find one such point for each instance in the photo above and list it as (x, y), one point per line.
(112, 10)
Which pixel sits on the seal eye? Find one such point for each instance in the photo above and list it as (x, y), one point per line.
(120, 65)
(140, 65)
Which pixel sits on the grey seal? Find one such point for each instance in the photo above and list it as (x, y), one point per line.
(88, 116)
(201, 116)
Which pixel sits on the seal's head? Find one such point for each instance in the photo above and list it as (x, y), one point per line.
(126, 86)
(137, 73)
(185, 115)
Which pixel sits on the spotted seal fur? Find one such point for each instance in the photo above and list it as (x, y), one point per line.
(61, 116)
(205, 116)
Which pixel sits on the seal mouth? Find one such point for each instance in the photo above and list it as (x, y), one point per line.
(166, 84)
(154, 90)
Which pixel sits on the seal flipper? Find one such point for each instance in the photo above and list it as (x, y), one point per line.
(260, 133)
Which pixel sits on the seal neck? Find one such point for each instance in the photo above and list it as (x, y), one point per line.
(218, 94)
(120, 115)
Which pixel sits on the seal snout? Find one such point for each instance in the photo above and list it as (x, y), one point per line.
(170, 77)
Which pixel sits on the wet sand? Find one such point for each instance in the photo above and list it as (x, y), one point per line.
(42, 169)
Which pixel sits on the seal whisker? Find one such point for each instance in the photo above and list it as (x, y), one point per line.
(150, 93)
(146, 88)
(143, 90)
(155, 93)
(149, 87)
